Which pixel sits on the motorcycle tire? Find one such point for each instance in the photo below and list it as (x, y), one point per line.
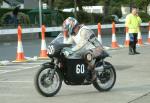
(102, 83)
(44, 88)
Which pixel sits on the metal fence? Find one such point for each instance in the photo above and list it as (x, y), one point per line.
(6, 31)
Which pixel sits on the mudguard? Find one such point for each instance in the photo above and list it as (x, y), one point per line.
(48, 64)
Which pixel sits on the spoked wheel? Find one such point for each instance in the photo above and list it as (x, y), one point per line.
(105, 79)
(46, 84)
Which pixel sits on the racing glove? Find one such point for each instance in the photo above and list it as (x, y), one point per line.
(67, 51)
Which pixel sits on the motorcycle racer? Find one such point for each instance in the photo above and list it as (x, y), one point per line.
(79, 36)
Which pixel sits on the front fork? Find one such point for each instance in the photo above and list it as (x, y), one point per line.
(51, 72)
(106, 66)
(102, 67)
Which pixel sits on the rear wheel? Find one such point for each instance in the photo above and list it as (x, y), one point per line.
(46, 86)
(106, 79)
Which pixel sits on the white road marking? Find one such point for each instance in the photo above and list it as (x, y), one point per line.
(16, 81)
(3, 71)
(12, 67)
(16, 70)
(31, 63)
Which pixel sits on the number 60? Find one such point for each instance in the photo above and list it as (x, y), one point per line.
(80, 69)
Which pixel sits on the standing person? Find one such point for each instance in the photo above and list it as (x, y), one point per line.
(133, 22)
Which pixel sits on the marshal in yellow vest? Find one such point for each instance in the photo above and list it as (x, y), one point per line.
(133, 23)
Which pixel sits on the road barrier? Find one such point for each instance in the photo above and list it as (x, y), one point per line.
(149, 34)
(127, 38)
(52, 29)
(114, 43)
(20, 53)
(99, 33)
(43, 52)
(140, 41)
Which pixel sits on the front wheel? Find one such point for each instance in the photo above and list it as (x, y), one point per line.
(44, 84)
(105, 79)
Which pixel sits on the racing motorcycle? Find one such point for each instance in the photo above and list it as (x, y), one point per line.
(72, 70)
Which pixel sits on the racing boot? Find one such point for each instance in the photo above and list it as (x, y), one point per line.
(93, 75)
(88, 75)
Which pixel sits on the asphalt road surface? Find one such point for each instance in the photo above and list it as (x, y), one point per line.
(132, 85)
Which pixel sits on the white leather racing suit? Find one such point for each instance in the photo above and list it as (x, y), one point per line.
(80, 40)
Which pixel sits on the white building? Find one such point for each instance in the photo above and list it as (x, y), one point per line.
(12, 4)
(31, 4)
(125, 10)
(5, 5)
(89, 9)
(93, 9)
(148, 9)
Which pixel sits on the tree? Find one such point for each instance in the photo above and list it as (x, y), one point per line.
(51, 3)
(106, 4)
(60, 4)
(142, 4)
(81, 3)
(71, 3)
(8, 19)
(1, 1)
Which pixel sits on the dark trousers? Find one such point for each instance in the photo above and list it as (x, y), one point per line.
(133, 41)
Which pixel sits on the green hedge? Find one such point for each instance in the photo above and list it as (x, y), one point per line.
(144, 16)
(91, 18)
(108, 19)
(5, 11)
(84, 17)
(115, 11)
(23, 19)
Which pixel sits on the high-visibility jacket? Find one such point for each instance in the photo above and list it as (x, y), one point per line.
(133, 23)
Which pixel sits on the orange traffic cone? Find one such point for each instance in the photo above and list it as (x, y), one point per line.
(43, 53)
(65, 35)
(99, 33)
(127, 39)
(149, 34)
(114, 41)
(140, 42)
(20, 54)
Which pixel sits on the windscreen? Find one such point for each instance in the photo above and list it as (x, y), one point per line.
(59, 39)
